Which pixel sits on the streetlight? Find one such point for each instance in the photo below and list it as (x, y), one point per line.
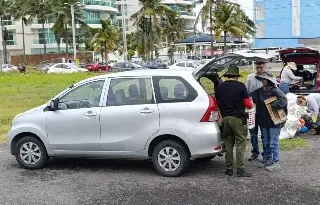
(73, 29)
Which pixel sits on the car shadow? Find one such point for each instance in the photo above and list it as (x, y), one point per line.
(122, 166)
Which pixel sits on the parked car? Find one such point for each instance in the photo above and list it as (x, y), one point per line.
(185, 65)
(8, 68)
(65, 68)
(134, 115)
(122, 115)
(45, 67)
(127, 66)
(98, 67)
(308, 67)
(82, 65)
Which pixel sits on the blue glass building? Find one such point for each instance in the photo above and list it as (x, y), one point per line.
(287, 23)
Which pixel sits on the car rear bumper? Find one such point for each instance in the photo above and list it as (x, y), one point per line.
(205, 140)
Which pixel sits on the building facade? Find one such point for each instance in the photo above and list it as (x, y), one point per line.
(287, 23)
(94, 10)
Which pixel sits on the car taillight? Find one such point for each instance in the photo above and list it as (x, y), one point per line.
(318, 83)
(212, 113)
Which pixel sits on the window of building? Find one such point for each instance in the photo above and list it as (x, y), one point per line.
(92, 17)
(11, 40)
(260, 30)
(48, 33)
(7, 20)
(259, 12)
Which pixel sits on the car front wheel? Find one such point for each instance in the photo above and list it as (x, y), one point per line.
(170, 158)
(31, 153)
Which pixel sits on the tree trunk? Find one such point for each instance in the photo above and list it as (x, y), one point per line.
(105, 53)
(151, 38)
(23, 43)
(211, 31)
(66, 40)
(225, 42)
(44, 40)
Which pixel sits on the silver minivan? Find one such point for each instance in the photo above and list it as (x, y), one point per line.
(163, 115)
(159, 114)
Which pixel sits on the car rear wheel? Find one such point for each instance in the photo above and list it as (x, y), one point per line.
(31, 153)
(170, 158)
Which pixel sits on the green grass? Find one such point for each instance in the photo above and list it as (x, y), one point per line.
(20, 92)
(293, 144)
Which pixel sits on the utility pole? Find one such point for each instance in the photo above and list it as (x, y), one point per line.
(73, 30)
(124, 35)
(5, 38)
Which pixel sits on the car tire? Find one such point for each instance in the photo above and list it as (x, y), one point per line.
(170, 158)
(30, 153)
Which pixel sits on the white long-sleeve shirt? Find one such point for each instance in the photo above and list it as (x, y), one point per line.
(287, 76)
(313, 103)
(253, 83)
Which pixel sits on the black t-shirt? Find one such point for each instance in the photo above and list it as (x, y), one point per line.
(230, 96)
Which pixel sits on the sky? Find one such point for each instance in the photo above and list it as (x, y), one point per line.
(247, 6)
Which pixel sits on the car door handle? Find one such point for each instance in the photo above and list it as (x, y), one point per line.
(146, 111)
(90, 114)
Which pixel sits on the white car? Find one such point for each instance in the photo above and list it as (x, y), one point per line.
(8, 68)
(65, 68)
(185, 65)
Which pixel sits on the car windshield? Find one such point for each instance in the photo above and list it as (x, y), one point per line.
(73, 66)
(136, 65)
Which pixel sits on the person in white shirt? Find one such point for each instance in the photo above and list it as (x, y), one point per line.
(312, 102)
(287, 77)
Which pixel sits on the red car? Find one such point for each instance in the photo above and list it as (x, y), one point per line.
(98, 67)
(308, 67)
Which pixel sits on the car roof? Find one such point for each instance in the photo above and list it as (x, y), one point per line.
(135, 73)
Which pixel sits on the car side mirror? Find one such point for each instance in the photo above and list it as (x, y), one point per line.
(54, 104)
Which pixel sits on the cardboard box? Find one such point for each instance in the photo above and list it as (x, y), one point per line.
(277, 116)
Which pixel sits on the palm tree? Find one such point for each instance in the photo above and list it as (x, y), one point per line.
(230, 19)
(4, 11)
(149, 16)
(18, 13)
(62, 13)
(206, 14)
(173, 29)
(38, 9)
(106, 39)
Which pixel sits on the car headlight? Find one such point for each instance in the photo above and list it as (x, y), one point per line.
(16, 117)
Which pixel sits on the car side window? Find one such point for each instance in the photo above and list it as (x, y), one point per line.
(171, 89)
(64, 66)
(130, 91)
(85, 96)
(180, 64)
(58, 66)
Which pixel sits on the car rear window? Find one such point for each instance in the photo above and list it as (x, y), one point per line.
(171, 89)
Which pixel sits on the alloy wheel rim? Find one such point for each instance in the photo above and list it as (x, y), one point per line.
(169, 159)
(30, 153)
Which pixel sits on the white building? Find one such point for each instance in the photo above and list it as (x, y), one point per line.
(94, 11)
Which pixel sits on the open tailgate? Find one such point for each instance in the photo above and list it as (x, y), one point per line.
(222, 62)
(300, 55)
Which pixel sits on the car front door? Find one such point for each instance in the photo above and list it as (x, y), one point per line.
(75, 126)
(131, 115)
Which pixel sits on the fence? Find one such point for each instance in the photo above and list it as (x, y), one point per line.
(37, 59)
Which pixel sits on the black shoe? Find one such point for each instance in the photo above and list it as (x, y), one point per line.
(253, 157)
(229, 172)
(242, 173)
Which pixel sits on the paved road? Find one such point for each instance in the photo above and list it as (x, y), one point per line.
(135, 182)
